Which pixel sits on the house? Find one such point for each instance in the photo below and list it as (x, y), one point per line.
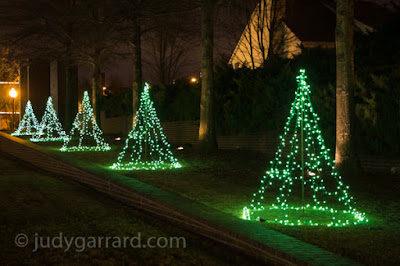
(292, 25)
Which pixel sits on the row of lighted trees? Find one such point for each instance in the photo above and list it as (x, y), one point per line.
(146, 145)
(74, 31)
(302, 161)
(94, 31)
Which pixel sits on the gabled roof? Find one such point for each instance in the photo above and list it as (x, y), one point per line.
(372, 14)
(310, 20)
(315, 21)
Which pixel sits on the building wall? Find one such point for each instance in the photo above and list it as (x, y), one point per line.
(322, 45)
(120, 125)
(293, 44)
(38, 81)
(187, 133)
(35, 86)
(252, 48)
(23, 89)
(60, 95)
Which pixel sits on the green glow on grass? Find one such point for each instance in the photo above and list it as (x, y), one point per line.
(146, 147)
(85, 131)
(29, 124)
(302, 159)
(49, 125)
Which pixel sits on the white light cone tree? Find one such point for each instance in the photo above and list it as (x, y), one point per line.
(146, 147)
(85, 134)
(50, 128)
(29, 124)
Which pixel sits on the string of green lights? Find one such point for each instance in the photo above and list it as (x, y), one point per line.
(29, 124)
(49, 125)
(85, 131)
(146, 147)
(302, 162)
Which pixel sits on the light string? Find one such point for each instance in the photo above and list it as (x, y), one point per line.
(85, 130)
(321, 177)
(49, 125)
(29, 124)
(146, 147)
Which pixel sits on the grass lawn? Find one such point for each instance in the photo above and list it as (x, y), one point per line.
(226, 180)
(34, 202)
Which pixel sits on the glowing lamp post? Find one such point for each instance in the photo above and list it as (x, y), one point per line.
(13, 94)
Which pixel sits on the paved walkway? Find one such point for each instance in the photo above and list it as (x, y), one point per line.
(283, 244)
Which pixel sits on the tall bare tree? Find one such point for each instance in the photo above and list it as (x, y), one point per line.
(8, 66)
(8, 73)
(346, 157)
(140, 18)
(137, 58)
(70, 31)
(207, 132)
(98, 40)
(134, 13)
(167, 49)
(45, 30)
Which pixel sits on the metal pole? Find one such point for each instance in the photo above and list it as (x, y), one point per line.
(13, 124)
(302, 152)
(145, 141)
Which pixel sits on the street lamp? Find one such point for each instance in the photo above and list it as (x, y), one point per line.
(13, 94)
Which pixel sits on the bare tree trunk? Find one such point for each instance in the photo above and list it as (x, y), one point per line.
(207, 134)
(262, 18)
(137, 66)
(95, 92)
(346, 158)
(71, 95)
(253, 66)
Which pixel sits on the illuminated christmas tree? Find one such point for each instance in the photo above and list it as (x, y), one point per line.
(29, 124)
(49, 125)
(85, 134)
(146, 147)
(302, 186)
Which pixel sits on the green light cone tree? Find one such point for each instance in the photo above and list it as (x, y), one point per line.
(50, 128)
(85, 134)
(29, 124)
(302, 186)
(146, 147)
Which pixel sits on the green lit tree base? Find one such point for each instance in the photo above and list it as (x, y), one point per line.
(311, 216)
(302, 186)
(47, 139)
(23, 133)
(145, 166)
(146, 147)
(85, 148)
(85, 134)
